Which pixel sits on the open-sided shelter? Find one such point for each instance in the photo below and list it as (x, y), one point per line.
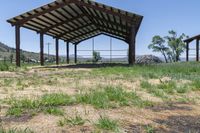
(188, 41)
(75, 21)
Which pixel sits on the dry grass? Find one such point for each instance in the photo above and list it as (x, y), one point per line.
(170, 102)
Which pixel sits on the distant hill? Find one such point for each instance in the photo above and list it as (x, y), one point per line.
(6, 51)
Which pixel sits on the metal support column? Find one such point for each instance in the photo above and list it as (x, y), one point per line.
(57, 51)
(187, 51)
(132, 46)
(197, 50)
(17, 37)
(67, 52)
(42, 49)
(75, 53)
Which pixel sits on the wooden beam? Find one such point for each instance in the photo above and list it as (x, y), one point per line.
(197, 50)
(42, 49)
(57, 51)
(67, 52)
(84, 39)
(95, 7)
(73, 30)
(118, 38)
(17, 37)
(85, 34)
(51, 8)
(62, 23)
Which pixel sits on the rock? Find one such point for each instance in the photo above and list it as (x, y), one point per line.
(148, 59)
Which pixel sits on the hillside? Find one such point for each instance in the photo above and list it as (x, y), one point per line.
(6, 51)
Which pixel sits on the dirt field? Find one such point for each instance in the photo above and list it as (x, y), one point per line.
(172, 108)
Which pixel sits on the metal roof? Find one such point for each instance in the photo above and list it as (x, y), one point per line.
(78, 20)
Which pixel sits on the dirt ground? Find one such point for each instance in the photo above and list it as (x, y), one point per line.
(172, 117)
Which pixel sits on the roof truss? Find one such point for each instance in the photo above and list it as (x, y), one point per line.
(77, 20)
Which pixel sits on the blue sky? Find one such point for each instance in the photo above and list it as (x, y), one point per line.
(160, 16)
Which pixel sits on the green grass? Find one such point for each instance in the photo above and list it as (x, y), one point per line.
(164, 89)
(15, 130)
(195, 85)
(181, 70)
(72, 121)
(56, 100)
(111, 97)
(149, 129)
(46, 103)
(54, 111)
(106, 123)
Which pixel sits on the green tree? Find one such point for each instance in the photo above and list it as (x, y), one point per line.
(176, 45)
(171, 46)
(11, 58)
(158, 45)
(23, 57)
(96, 56)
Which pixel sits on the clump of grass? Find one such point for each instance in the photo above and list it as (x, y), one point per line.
(56, 100)
(169, 87)
(109, 97)
(182, 89)
(152, 89)
(15, 130)
(46, 103)
(161, 90)
(149, 129)
(19, 107)
(195, 85)
(4, 67)
(7, 82)
(72, 121)
(106, 123)
(146, 85)
(54, 111)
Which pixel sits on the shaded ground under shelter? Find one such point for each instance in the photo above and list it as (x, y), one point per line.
(74, 21)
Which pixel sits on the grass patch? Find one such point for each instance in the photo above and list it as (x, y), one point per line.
(164, 88)
(149, 129)
(15, 130)
(56, 100)
(46, 103)
(72, 121)
(195, 85)
(54, 111)
(110, 97)
(152, 89)
(106, 123)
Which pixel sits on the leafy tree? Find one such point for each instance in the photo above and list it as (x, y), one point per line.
(158, 45)
(11, 58)
(23, 57)
(171, 46)
(176, 45)
(96, 56)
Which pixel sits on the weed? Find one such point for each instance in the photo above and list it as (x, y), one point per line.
(54, 111)
(149, 129)
(56, 100)
(47, 104)
(106, 123)
(195, 85)
(146, 85)
(72, 121)
(111, 97)
(15, 130)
